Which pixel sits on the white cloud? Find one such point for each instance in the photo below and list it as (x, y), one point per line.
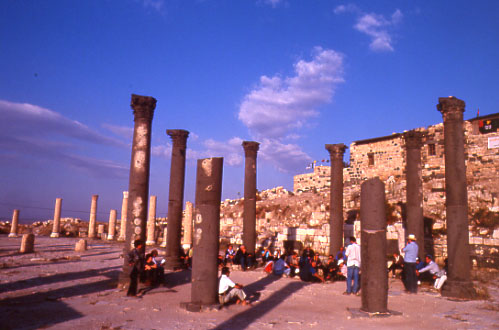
(29, 133)
(272, 3)
(163, 150)
(375, 26)
(277, 106)
(123, 131)
(232, 150)
(288, 158)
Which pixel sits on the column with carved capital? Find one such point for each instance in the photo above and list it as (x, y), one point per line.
(414, 188)
(249, 217)
(138, 186)
(336, 152)
(456, 201)
(176, 197)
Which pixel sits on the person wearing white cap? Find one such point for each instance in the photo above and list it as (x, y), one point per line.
(411, 253)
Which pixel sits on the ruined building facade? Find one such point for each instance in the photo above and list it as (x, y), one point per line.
(302, 215)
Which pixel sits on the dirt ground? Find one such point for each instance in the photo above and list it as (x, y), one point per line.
(58, 288)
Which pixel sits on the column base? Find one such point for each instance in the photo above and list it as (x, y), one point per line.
(199, 307)
(121, 239)
(459, 289)
(186, 246)
(150, 242)
(163, 244)
(173, 263)
(54, 235)
(12, 235)
(110, 237)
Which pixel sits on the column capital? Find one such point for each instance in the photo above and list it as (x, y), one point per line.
(250, 148)
(179, 137)
(451, 108)
(143, 107)
(413, 139)
(336, 150)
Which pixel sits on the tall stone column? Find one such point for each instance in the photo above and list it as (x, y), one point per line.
(112, 225)
(138, 186)
(187, 225)
(204, 289)
(151, 221)
(249, 217)
(56, 228)
(176, 197)
(456, 200)
(336, 152)
(92, 223)
(165, 236)
(124, 206)
(374, 282)
(414, 188)
(15, 221)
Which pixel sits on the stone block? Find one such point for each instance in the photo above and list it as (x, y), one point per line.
(81, 245)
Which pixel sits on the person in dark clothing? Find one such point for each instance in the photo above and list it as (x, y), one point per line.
(136, 261)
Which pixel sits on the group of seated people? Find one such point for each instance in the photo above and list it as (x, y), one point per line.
(242, 257)
(154, 273)
(427, 271)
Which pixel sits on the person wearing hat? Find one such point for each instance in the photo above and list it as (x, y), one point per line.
(410, 275)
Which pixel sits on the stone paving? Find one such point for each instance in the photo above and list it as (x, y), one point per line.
(58, 288)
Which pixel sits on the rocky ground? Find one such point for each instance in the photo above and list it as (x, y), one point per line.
(58, 288)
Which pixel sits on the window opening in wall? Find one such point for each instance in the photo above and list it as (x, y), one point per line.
(370, 157)
(431, 149)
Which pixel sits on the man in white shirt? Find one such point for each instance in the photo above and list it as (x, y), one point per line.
(229, 290)
(353, 266)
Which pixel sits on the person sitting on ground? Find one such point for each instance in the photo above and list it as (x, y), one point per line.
(266, 255)
(229, 255)
(160, 270)
(340, 255)
(342, 273)
(309, 274)
(229, 290)
(281, 267)
(277, 254)
(331, 269)
(319, 267)
(150, 271)
(308, 252)
(294, 264)
(397, 263)
(432, 272)
(243, 258)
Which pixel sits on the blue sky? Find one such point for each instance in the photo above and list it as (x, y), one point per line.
(293, 75)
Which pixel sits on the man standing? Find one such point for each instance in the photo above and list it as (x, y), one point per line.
(137, 262)
(353, 266)
(229, 290)
(411, 253)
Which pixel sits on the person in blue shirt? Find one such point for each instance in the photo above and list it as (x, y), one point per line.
(411, 253)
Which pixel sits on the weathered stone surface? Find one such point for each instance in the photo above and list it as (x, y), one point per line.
(27, 244)
(57, 218)
(15, 221)
(151, 221)
(81, 245)
(249, 223)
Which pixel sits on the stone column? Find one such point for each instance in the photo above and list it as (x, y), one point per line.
(15, 221)
(249, 215)
(187, 222)
(138, 186)
(336, 152)
(374, 281)
(414, 188)
(176, 197)
(92, 224)
(56, 228)
(204, 289)
(27, 244)
(165, 235)
(124, 206)
(456, 201)
(151, 221)
(100, 231)
(112, 225)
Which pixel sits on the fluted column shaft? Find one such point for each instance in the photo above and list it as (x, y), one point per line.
(92, 223)
(414, 188)
(456, 200)
(124, 206)
(336, 152)
(151, 221)
(176, 197)
(249, 215)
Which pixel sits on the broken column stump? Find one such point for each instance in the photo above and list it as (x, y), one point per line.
(81, 245)
(27, 244)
